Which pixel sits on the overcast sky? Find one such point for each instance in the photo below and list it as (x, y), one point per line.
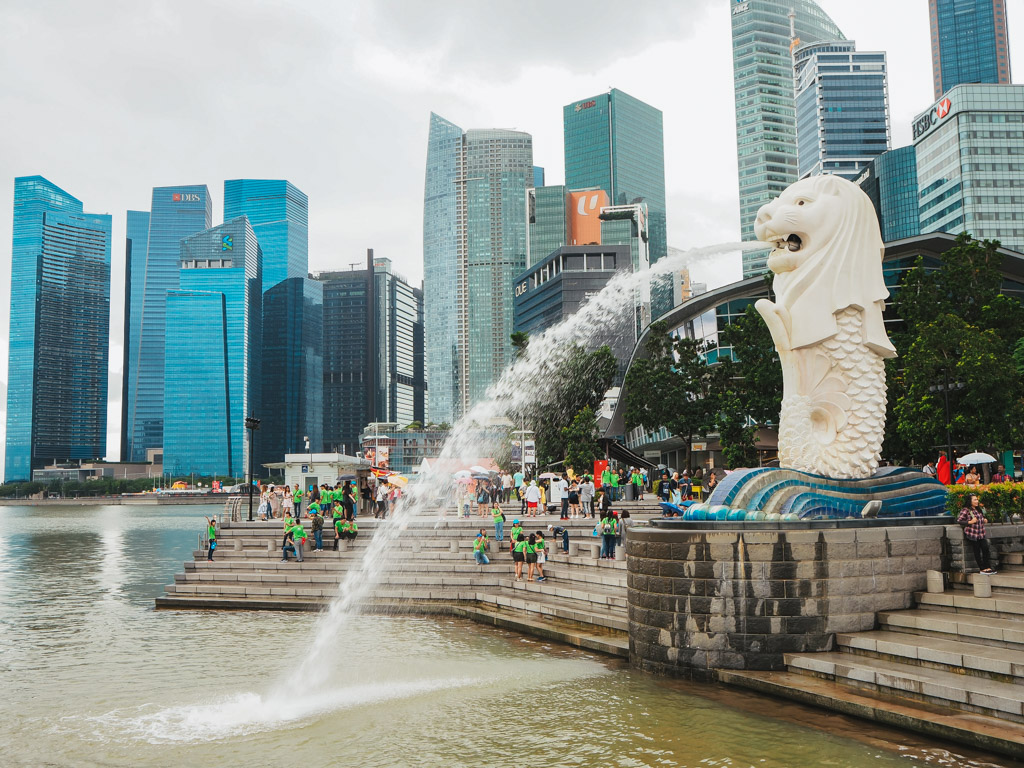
(110, 98)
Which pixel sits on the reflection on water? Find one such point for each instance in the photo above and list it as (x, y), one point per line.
(94, 676)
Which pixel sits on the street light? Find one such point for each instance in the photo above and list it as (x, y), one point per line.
(252, 424)
(945, 388)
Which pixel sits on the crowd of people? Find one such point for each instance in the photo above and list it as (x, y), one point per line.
(372, 495)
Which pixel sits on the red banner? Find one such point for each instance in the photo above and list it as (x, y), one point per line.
(599, 467)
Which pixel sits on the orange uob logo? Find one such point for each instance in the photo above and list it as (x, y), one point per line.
(584, 221)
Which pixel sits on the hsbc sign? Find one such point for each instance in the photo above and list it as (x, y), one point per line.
(184, 197)
(932, 118)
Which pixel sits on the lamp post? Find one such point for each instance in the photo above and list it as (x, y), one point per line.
(251, 424)
(945, 388)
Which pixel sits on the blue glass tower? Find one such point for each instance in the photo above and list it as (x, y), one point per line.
(293, 368)
(59, 332)
(212, 361)
(616, 143)
(968, 42)
(891, 183)
(136, 243)
(176, 213)
(842, 108)
(440, 266)
(279, 214)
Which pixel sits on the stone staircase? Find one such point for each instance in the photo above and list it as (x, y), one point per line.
(953, 667)
(428, 568)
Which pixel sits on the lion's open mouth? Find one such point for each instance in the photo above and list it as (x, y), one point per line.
(792, 243)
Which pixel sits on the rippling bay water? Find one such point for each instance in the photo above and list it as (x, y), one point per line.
(92, 675)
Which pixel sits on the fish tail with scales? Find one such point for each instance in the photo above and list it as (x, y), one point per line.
(835, 424)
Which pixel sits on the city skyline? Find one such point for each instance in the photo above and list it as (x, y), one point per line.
(701, 190)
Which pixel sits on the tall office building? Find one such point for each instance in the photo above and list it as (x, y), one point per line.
(151, 271)
(968, 42)
(538, 176)
(212, 360)
(293, 369)
(616, 143)
(890, 180)
(374, 366)
(842, 108)
(279, 214)
(474, 238)
(970, 163)
(765, 105)
(557, 216)
(59, 332)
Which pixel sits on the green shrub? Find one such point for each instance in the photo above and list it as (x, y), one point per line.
(1001, 500)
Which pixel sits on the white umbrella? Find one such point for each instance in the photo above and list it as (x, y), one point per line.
(480, 470)
(976, 458)
(462, 473)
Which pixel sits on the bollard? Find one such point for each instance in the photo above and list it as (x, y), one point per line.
(238, 545)
(453, 546)
(982, 585)
(574, 549)
(271, 547)
(936, 584)
(343, 545)
(595, 551)
(415, 546)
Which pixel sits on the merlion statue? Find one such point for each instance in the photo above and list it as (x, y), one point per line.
(827, 326)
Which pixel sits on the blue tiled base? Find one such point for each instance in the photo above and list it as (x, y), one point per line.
(902, 492)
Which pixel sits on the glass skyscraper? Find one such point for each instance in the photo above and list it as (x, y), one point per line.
(842, 108)
(293, 368)
(547, 221)
(616, 143)
(970, 163)
(279, 214)
(765, 104)
(212, 360)
(474, 238)
(59, 331)
(175, 213)
(374, 367)
(890, 180)
(968, 42)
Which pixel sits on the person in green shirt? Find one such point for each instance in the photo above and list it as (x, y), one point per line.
(339, 529)
(318, 531)
(517, 531)
(542, 555)
(480, 550)
(211, 535)
(530, 550)
(519, 554)
(608, 527)
(297, 500)
(299, 536)
(353, 530)
(615, 486)
(499, 523)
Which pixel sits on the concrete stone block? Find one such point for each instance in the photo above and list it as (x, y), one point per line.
(939, 691)
(760, 552)
(842, 536)
(760, 537)
(902, 548)
(802, 537)
(865, 535)
(810, 551)
(841, 550)
(872, 549)
(993, 702)
(988, 664)
(718, 552)
(850, 622)
(851, 568)
(719, 538)
(982, 585)
(659, 550)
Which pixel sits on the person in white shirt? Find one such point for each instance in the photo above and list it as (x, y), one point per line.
(587, 496)
(506, 487)
(532, 498)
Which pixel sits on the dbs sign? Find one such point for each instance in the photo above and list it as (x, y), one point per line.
(585, 208)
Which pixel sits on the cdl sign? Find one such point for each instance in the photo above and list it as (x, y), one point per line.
(931, 118)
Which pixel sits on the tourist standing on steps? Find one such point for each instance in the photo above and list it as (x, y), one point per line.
(516, 530)
(499, 523)
(541, 548)
(587, 496)
(530, 551)
(318, 532)
(299, 536)
(532, 498)
(519, 555)
(574, 499)
(972, 519)
(608, 530)
(638, 484)
(382, 499)
(287, 502)
(506, 487)
(348, 500)
(211, 536)
(483, 498)
(480, 550)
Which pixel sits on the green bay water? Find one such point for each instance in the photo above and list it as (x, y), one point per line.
(93, 675)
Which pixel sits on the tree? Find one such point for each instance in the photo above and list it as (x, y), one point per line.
(673, 387)
(755, 367)
(520, 340)
(580, 439)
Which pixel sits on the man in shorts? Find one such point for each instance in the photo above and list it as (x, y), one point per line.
(532, 498)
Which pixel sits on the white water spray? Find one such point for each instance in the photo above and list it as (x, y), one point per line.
(521, 383)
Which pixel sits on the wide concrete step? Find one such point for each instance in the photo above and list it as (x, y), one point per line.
(602, 597)
(949, 655)
(1011, 558)
(962, 601)
(973, 694)
(981, 630)
(983, 732)
(1006, 582)
(544, 605)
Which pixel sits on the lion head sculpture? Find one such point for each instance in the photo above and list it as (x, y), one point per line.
(827, 256)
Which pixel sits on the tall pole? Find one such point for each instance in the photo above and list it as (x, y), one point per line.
(250, 474)
(949, 437)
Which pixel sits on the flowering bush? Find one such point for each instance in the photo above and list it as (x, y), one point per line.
(1001, 500)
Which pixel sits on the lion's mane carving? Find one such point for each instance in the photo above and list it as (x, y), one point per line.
(827, 325)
